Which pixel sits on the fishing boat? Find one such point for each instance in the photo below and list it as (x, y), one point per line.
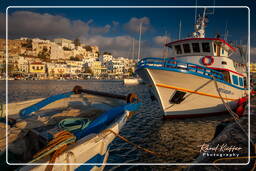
(197, 77)
(69, 131)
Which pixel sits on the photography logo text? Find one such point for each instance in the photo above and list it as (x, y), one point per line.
(219, 150)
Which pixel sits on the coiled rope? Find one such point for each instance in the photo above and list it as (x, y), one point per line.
(62, 139)
(74, 124)
(57, 145)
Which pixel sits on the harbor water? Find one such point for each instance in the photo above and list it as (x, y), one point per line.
(178, 139)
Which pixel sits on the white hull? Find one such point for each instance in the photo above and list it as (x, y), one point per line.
(201, 96)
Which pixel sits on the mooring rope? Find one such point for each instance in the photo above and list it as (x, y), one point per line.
(136, 145)
(233, 114)
(236, 117)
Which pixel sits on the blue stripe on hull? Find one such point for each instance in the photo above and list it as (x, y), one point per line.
(96, 159)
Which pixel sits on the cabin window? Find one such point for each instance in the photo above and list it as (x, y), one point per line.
(226, 75)
(186, 48)
(206, 47)
(224, 63)
(196, 47)
(241, 81)
(178, 49)
(235, 79)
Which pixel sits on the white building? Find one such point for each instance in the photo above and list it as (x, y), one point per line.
(57, 69)
(57, 52)
(65, 43)
(106, 58)
(115, 66)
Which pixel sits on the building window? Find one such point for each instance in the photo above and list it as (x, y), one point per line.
(235, 79)
(178, 49)
(196, 47)
(37, 67)
(206, 47)
(33, 67)
(224, 63)
(186, 48)
(214, 46)
(223, 51)
(241, 81)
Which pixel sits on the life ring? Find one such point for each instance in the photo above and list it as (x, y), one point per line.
(207, 63)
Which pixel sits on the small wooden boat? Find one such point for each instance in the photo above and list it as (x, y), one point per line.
(69, 131)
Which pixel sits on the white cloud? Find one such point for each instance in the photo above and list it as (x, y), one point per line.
(32, 24)
(134, 25)
(161, 40)
(122, 46)
(100, 30)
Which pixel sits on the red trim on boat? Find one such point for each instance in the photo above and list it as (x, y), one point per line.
(182, 116)
(225, 69)
(177, 41)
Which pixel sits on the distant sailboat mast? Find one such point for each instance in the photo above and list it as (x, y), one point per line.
(133, 55)
(139, 42)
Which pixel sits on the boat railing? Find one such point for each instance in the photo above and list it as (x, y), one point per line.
(177, 64)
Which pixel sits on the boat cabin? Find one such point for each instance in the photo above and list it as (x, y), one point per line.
(201, 47)
(212, 53)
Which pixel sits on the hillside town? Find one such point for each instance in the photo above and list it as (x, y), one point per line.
(38, 59)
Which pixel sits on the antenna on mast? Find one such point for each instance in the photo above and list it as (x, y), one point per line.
(195, 11)
(139, 42)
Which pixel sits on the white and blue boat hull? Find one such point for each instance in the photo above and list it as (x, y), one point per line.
(200, 98)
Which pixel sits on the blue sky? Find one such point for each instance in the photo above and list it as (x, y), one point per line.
(110, 28)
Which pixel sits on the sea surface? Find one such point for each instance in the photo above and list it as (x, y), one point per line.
(178, 140)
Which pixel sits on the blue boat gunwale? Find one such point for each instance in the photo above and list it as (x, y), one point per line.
(142, 65)
(102, 122)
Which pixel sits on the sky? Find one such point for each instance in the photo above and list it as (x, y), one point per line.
(115, 29)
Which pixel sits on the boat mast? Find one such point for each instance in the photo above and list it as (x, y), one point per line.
(139, 43)
(179, 30)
